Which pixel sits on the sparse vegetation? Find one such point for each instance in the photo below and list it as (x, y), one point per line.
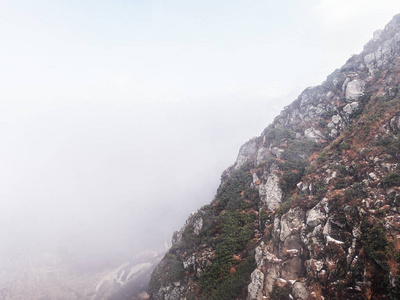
(374, 240)
(284, 207)
(295, 162)
(280, 293)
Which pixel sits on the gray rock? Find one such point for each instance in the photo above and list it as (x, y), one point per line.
(351, 108)
(355, 89)
(270, 192)
(256, 285)
(304, 187)
(315, 216)
(277, 225)
(277, 151)
(334, 133)
(258, 256)
(372, 176)
(293, 268)
(336, 119)
(271, 275)
(245, 152)
(382, 55)
(262, 154)
(300, 290)
(292, 220)
(313, 134)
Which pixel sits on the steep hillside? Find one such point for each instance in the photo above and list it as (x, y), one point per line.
(311, 208)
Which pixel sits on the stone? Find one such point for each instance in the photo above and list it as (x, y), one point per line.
(189, 261)
(332, 240)
(327, 229)
(336, 119)
(293, 219)
(271, 275)
(372, 176)
(262, 154)
(293, 268)
(355, 89)
(245, 152)
(258, 256)
(334, 133)
(395, 124)
(270, 192)
(351, 108)
(256, 285)
(300, 290)
(277, 225)
(382, 55)
(313, 134)
(315, 216)
(256, 180)
(277, 151)
(292, 245)
(315, 265)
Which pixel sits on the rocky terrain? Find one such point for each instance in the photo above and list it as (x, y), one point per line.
(311, 207)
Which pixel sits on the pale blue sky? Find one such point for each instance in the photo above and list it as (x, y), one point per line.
(118, 117)
(178, 49)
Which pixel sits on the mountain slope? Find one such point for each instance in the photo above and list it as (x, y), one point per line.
(310, 208)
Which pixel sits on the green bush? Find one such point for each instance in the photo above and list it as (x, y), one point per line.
(284, 207)
(356, 191)
(234, 225)
(319, 189)
(322, 157)
(322, 123)
(230, 191)
(390, 143)
(341, 183)
(295, 157)
(374, 240)
(280, 293)
(393, 179)
(280, 134)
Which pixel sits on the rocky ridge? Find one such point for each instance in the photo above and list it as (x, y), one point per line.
(311, 207)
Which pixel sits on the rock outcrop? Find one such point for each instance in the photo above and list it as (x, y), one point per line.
(311, 208)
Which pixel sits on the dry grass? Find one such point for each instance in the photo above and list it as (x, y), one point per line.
(367, 292)
(318, 291)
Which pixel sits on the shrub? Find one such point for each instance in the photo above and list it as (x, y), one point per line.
(280, 293)
(319, 189)
(393, 179)
(356, 191)
(284, 207)
(230, 191)
(295, 163)
(322, 157)
(322, 123)
(374, 240)
(391, 144)
(341, 183)
(280, 134)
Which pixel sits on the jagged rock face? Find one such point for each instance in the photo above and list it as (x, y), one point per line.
(311, 208)
(270, 192)
(194, 222)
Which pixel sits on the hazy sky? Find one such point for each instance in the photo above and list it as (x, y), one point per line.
(118, 117)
